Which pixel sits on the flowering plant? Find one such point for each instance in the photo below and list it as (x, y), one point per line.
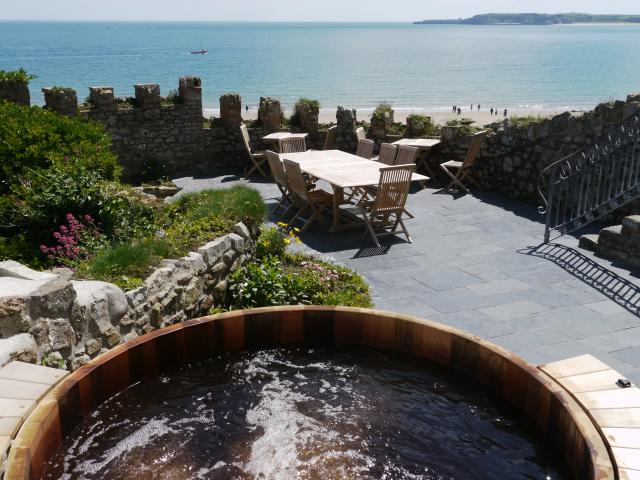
(75, 241)
(275, 240)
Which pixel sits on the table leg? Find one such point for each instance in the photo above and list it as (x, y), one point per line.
(422, 162)
(338, 197)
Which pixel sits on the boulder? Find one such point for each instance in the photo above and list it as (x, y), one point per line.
(98, 307)
(53, 334)
(11, 268)
(21, 347)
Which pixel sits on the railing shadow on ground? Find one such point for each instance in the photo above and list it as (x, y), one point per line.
(618, 289)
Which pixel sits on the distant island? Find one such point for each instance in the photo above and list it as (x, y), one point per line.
(534, 19)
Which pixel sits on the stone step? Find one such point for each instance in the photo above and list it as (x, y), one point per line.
(611, 234)
(631, 225)
(589, 242)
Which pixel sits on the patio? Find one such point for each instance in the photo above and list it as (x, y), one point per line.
(478, 263)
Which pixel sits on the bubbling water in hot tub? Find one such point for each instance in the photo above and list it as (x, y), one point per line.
(303, 413)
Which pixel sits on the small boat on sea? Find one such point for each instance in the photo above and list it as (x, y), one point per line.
(199, 52)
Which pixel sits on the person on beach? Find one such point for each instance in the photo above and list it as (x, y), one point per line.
(472, 107)
(505, 113)
(454, 109)
(459, 111)
(478, 107)
(246, 108)
(491, 112)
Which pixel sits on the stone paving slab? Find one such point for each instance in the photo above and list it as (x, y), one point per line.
(477, 262)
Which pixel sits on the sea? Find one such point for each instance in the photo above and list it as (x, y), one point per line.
(356, 65)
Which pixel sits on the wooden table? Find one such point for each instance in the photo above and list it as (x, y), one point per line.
(422, 144)
(341, 170)
(275, 137)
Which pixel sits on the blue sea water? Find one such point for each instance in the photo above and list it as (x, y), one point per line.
(349, 64)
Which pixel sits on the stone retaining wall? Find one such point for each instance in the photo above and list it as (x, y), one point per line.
(514, 155)
(48, 315)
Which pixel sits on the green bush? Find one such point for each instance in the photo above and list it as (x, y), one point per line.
(429, 129)
(265, 284)
(273, 242)
(19, 75)
(296, 279)
(309, 102)
(280, 278)
(32, 139)
(37, 208)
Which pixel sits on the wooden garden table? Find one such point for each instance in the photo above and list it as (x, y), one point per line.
(341, 170)
(422, 144)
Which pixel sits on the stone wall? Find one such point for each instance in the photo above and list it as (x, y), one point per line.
(50, 316)
(514, 155)
(16, 91)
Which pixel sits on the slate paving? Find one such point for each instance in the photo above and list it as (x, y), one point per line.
(477, 262)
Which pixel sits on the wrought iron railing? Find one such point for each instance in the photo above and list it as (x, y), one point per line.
(592, 182)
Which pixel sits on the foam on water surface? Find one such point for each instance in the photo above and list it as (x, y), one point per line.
(300, 413)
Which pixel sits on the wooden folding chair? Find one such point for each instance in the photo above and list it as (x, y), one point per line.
(459, 171)
(365, 148)
(315, 201)
(387, 154)
(360, 134)
(386, 210)
(277, 170)
(330, 139)
(292, 145)
(258, 159)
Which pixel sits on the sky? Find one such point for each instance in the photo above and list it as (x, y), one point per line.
(295, 10)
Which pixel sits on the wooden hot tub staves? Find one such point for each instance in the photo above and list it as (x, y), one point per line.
(545, 405)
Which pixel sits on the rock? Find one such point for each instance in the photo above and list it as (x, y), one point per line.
(53, 334)
(78, 362)
(213, 251)
(20, 347)
(111, 337)
(10, 268)
(93, 346)
(129, 336)
(156, 315)
(13, 316)
(98, 306)
(53, 299)
(54, 360)
(242, 230)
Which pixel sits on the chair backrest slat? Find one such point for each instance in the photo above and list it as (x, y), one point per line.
(407, 155)
(330, 139)
(365, 148)
(360, 134)
(474, 148)
(277, 170)
(393, 188)
(295, 179)
(245, 138)
(292, 145)
(388, 154)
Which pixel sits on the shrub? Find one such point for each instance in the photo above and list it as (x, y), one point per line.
(264, 284)
(76, 241)
(465, 124)
(273, 242)
(19, 75)
(313, 105)
(32, 139)
(296, 279)
(423, 126)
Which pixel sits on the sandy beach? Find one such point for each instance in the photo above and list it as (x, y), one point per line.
(482, 117)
